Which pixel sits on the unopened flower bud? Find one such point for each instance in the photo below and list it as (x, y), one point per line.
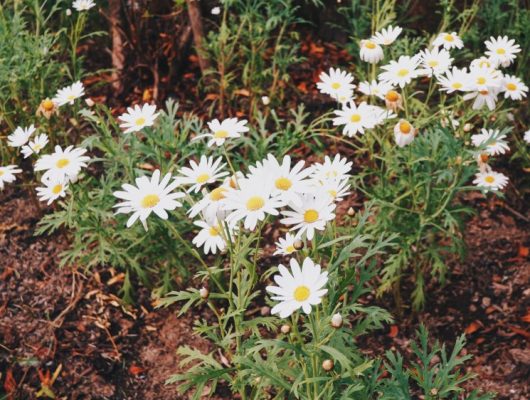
(89, 102)
(468, 127)
(351, 212)
(484, 157)
(204, 293)
(336, 321)
(265, 100)
(68, 12)
(458, 160)
(434, 391)
(285, 329)
(298, 244)
(216, 11)
(327, 365)
(265, 310)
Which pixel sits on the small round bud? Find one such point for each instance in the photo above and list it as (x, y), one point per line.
(285, 329)
(351, 212)
(468, 127)
(458, 160)
(484, 157)
(89, 102)
(216, 11)
(434, 391)
(327, 365)
(68, 12)
(204, 293)
(298, 244)
(336, 321)
(265, 311)
(265, 100)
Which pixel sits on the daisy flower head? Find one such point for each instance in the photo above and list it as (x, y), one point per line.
(313, 214)
(52, 190)
(20, 136)
(404, 133)
(486, 97)
(354, 118)
(513, 87)
(490, 180)
(454, 80)
(221, 131)
(298, 288)
(494, 140)
(62, 164)
(371, 52)
(436, 61)
(526, 136)
(448, 41)
(69, 94)
(501, 50)
(35, 146)
(484, 78)
(374, 88)
(211, 236)
(83, 5)
(393, 100)
(400, 72)
(336, 168)
(211, 203)
(7, 174)
(149, 195)
(137, 118)
(251, 203)
(47, 108)
(387, 36)
(207, 171)
(336, 189)
(336, 83)
(285, 246)
(482, 62)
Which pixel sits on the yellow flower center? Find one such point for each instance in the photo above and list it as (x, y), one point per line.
(484, 63)
(405, 127)
(403, 72)
(217, 194)
(1, 172)
(332, 193)
(220, 134)
(355, 118)
(331, 174)
(150, 201)
(489, 179)
(290, 249)
(310, 216)
(202, 178)
(47, 105)
(335, 85)
(63, 162)
(57, 189)
(283, 183)
(449, 38)
(392, 96)
(70, 97)
(214, 231)
(369, 45)
(37, 147)
(433, 63)
(481, 80)
(456, 85)
(301, 293)
(255, 203)
(511, 86)
(140, 121)
(501, 51)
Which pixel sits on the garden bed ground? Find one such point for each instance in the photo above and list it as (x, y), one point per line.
(71, 319)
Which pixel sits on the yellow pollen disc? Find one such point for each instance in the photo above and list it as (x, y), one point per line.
(405, 127)
(511, 86)
(484, 63)
(310, 216)
(355, 118)
(221, 134)
(331, 174)
(403, 72)
(1, 172)
(369, 45)
(335, 85)
(449, 38)
(37, 147)
(332, 193)
(484, 92)
(202, 178)
(214, 231)
(150, 201)
(140, 121)
(290, 249)
(255, 203)
(392, 96)
(456, 85)
(218, 194)
(301, 293)
(47, 105)
(481, 80)
(283, 183)
(57, 189)
(63, 162)
(70, 97)
(433, 63)
(489, 179)
(501, 51)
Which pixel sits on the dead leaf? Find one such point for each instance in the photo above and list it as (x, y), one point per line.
(523, 251)
(393, 331)
(473, 327)
(242, 92)
(135, 369)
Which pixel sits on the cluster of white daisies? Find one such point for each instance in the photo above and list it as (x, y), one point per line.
(481, 80)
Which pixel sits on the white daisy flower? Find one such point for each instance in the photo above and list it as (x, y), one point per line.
(300, 288)
(149, 195)
(484, 78)
(436, 61)
(448, 41)
(526, 136)
(83, 5)
(69, 94)
(371, 52)
(52, 190)
(35, 146)
(20, 136)
(454, 80)
(211, 203)
(7, 174)
(483, 98)
(336, 189)
(211, 236)
(137, 118)
(490, 180)
(404, 133)
(502, 50)
(251, 203)
(387, 36)
(336, 83)
(285, 246)
(197, 175)
(221, 131)
(374, 88)
(62, 164)
(494, 140)
(393, 100)
(513, 87)
(400, 72)
(313, 214)
(338, 168)
(355, 118)
(482, 62)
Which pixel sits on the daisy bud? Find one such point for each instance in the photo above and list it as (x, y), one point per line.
(47, 108)
(484, 158)
(285, 329)
(404, 133)
(265, 100)
(351, 212)
(458, 160)
(68, 12)
(336, 321)
(216, 11)
(204, 293)
(265, 311)
(434, 391)
(327, 365)
(89, 102)
(393, 100)
(468, 127)
(298, 244)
